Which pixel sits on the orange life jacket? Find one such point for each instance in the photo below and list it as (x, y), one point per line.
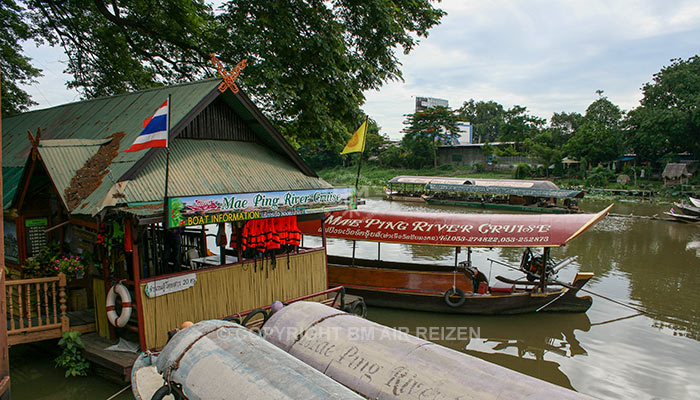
(294, 238)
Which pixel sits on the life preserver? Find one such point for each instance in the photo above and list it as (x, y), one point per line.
(118, 320)
(454, 291)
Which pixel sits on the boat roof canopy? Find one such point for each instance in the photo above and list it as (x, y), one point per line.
(424, 180)
(456, 230)
(517, 191)
(446, 180)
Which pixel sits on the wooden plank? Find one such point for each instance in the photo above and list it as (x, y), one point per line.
(119, 362)
(29, 337)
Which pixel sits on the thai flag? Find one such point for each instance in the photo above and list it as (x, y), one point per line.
(155, 131)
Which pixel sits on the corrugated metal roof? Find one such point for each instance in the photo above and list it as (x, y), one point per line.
(63, 158)
(99, 118)
(11, 177)
(517, 191)
(96, 119)
(68, 135)
(199, 167)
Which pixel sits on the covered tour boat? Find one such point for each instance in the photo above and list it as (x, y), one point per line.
(539, 196)
(460, 288)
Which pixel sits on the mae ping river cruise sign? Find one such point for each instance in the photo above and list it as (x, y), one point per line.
(213, 209)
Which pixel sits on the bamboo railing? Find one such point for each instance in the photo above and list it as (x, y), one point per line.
(36, 309)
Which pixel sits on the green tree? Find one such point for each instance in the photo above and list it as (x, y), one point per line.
(543, 148)
(599, 138)
(486, 119)
(566, 123)
(309, 62)
(436, 125)
(15, 68)
(518, 125)
(668, 119)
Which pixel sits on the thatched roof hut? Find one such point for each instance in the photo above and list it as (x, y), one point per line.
(675, 174)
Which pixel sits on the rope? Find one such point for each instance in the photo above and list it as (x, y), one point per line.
(112, 397)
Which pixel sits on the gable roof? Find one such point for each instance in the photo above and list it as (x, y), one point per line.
(675, 171)
(72, 134)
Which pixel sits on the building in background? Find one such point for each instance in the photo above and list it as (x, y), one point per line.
(423, 103)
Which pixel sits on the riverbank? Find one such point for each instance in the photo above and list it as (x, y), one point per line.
(372, 176)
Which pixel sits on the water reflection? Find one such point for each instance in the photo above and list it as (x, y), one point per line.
(530, 344)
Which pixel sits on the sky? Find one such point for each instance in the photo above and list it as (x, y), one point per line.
(546, 55)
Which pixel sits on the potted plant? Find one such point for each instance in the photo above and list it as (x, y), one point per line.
(70, 266)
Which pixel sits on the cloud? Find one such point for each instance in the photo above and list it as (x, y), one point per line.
(549, 56)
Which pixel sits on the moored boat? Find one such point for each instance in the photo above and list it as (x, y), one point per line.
(682, 217)
(514, 195)
(461, 288)
(688, 209)
(695, 202)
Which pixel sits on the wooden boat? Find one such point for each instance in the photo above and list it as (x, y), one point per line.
(461, 288)
(505, 194)
(682, 217)
(688, 209)
(412, 188)
(695, 202)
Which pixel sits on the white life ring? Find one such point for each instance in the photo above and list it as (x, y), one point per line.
(118, 320)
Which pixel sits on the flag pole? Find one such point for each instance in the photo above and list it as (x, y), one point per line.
(166, 208)
(359, 162)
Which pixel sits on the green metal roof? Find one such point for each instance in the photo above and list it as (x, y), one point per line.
(70, 134)
(63, 158)
(544, 193)
(199, 167)
(11, 177)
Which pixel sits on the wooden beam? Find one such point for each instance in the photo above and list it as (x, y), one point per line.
(4, 346)
(136, 268)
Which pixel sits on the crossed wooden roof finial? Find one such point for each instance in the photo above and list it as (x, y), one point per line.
(229, 78)
(35, 143)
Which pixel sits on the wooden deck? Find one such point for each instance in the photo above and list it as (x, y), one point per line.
(113, 365)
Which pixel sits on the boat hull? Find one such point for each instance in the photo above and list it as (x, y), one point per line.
(688, 210)
(424, 290)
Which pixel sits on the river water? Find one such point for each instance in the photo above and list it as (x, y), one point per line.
(610, 352)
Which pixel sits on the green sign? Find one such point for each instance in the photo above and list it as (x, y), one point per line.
(202, 210)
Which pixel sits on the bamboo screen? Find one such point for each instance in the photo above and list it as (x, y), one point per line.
(226, 291)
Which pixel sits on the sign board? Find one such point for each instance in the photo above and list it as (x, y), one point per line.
(11, 244)
(170, 285)
(35, 229)
(213, 209)
(470, 230)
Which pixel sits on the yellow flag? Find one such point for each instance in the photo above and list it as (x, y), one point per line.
(357, 141)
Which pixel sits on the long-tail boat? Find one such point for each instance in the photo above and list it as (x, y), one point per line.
(460, 288)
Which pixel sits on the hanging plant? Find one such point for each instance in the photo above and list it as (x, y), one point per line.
(70, 266)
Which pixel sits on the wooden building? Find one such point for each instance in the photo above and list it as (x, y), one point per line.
(676, 174)
(69, 183)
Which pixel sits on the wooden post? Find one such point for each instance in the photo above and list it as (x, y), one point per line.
(4, 351)
(543, 268)
(105, 276)
(65, 323)
(136, 268)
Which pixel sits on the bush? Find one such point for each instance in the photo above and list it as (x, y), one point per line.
(72, 357)
(522, 171)
(478, 167)
(600, 177)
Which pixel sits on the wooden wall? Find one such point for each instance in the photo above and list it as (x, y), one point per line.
(225, 291)
(218, 121)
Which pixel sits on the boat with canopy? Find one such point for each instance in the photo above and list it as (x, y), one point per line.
(462, 287)
(507, 194)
